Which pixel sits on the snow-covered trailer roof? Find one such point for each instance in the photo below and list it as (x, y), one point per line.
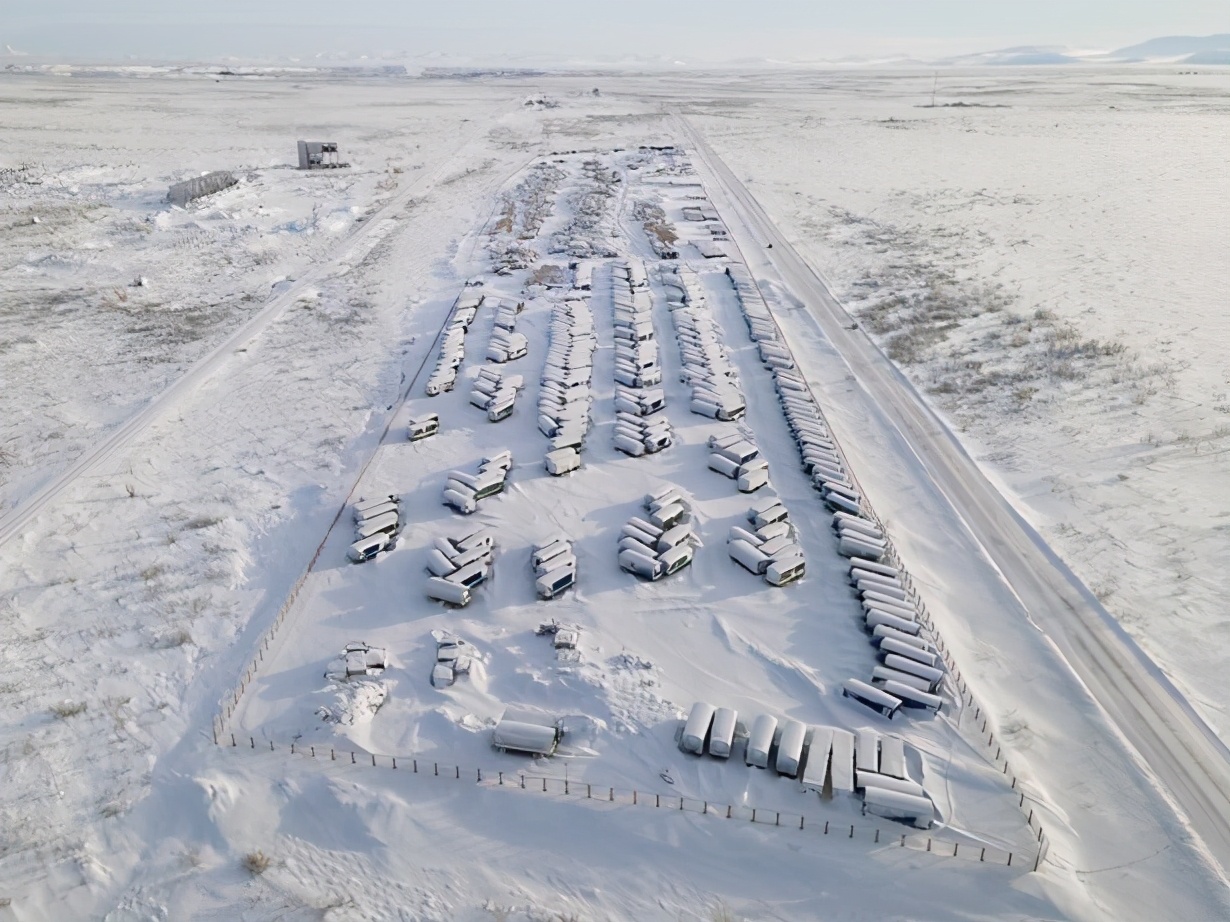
(521, 736)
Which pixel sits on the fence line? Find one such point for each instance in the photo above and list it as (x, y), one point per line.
(230, 702)
(965, 698)
(601, 795)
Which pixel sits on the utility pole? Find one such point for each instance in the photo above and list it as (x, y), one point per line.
(933, 88)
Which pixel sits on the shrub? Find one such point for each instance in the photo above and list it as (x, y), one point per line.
(257, 862)
(67, 708)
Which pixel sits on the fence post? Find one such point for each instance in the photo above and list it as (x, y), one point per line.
(612, 795)
(252, 740)
(657, 800)
(826, 827)
(457, 768)
(544, 785)
(480, 776)
(877, 835)
(778, 820)
(1009, 859)
(313, 752)
(753, 814)
(851, 830)
(983, 856)
(395, 761)
(415, 766)
(728, 811)
(352, 758)
(634, 797)
(436, 768)
(928, 843)
(800, 822)
(373, 759)
(680, 803)
(332, 754)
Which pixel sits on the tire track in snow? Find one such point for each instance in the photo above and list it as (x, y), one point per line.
(348, 253)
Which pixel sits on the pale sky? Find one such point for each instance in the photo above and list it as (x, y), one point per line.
(692, 30)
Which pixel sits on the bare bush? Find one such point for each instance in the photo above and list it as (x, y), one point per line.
(257, 862)
(66, 709)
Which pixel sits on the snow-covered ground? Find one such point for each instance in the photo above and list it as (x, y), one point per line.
(134, 600)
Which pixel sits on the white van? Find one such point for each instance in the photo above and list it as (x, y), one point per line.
(389, 524)
(722, 733)
(370, 511)
(545, 552)
(501, 410)
(760, 741)
(424, 427)
(748, 557)
(471, 575)
(443, 590)
(674, 537)
(438, 563)
(696, 728)
(562, 461)
(363, 506)
(740, 452)
(639, 564)
(460, 499)
(629, 446)
(554, 582)
(790, 748)
(674, 560)
(785, 570)
(667, 517)
(753, 480)
(367, 548)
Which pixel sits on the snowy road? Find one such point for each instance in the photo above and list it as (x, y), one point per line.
(1189, 761)
(351, 251)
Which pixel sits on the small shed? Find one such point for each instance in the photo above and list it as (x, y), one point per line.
(320, 155)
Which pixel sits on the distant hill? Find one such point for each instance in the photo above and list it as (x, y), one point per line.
(1020, 55)
(1175, 46)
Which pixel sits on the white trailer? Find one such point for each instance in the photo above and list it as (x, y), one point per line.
(696, 729)
(760, 741)
(790, 748)
(722, 733)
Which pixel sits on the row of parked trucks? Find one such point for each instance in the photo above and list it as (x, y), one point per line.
(707, 368)
(661, 542)
(564, 398)
(463, 491)
(453, 343)
(736, 457)
(768, 548)
(459, 565)
(377, 523)
(822, 758)
(639, 430)
(910, 669)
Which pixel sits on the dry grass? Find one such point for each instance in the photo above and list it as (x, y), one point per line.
(257, 862)
(66, 709)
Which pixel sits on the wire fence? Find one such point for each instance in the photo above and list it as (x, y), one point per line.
(982, 727)
(606, 796)
(982, 724)
(230, 701)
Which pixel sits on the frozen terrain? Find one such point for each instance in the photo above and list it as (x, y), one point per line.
(192, 395)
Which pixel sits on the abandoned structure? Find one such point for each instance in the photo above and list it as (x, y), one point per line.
(319, 155)
(184, 192)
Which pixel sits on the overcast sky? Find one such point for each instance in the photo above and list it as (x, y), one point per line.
(209, 30)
